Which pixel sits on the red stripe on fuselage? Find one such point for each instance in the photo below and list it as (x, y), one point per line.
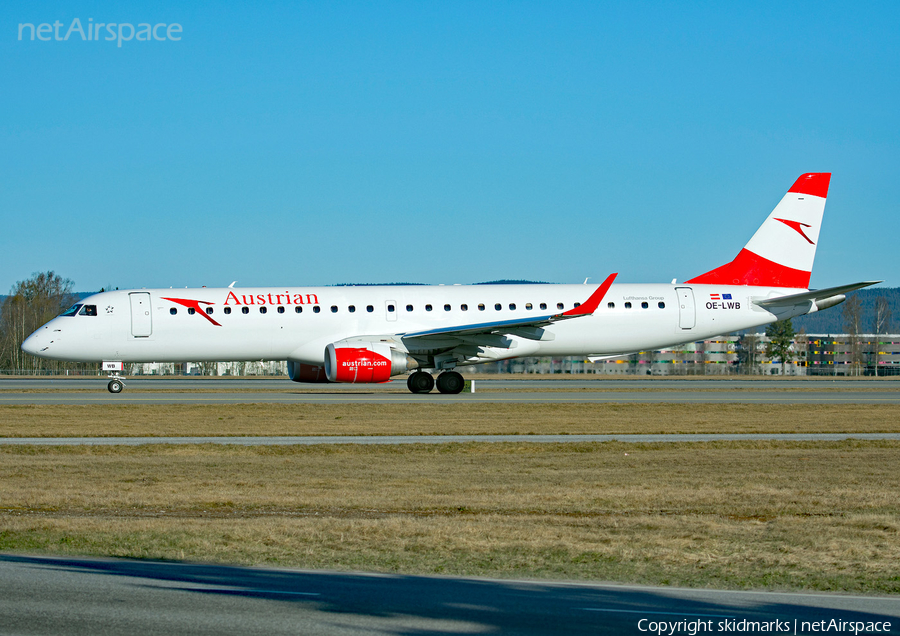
(751, 269)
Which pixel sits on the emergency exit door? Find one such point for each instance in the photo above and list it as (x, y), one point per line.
(687, 314)
(141, 319)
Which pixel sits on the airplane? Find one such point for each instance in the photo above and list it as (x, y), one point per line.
(369, 334)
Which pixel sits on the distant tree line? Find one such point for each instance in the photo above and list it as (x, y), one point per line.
(30, 304)
(875, 308)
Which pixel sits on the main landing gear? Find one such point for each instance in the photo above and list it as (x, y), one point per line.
(447, 382)
(116, 384)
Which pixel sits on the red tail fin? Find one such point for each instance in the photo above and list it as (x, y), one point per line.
(782, 251)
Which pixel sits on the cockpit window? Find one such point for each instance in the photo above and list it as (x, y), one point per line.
(71, 311)
(88, 310)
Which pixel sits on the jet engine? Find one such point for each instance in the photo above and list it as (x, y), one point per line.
(299, 372)
(363, 362)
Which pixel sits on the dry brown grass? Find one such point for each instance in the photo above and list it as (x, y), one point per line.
(441, 419)
(760, 514)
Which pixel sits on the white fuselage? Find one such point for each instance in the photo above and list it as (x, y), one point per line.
(151, 325)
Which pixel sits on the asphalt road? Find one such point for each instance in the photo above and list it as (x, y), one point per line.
(221, 391)
(74, 596)
(312, 440)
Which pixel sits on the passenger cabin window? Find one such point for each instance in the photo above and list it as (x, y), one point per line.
(298, 309)
(245, 310)
(543, 305)
(193, 311)
(480, 306)
(391, 308)
(172, 310)
(428, 308)
(351, 309)
(498, 307)
(512, 306)
(446, 307)
(644, 305)
(409, 308)
(227, 310)
(88, 310)
(334, 309)
(370, 308)
(316, 309)
(262, 310)
(528, 306)
(71, 311)
(560, 306)
(661, 305)
(464, 307)
(577, 305)
(611, 305)
(280, 310)
(627, 305)
(209, 310)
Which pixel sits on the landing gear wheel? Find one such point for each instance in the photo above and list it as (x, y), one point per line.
(115, 386)
(420, 382)
(450, 382)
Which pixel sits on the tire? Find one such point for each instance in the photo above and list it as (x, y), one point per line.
(115, 386)
(450, 382)
(420, 382)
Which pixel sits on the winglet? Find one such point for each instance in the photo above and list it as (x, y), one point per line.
(590, 305)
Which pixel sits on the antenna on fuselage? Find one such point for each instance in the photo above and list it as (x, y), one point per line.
(586, 280)
(232, 284)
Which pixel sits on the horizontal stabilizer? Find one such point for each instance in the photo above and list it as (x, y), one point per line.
(814, 295)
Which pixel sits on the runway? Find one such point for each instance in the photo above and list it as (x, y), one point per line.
(74, 596)
(541, 391)
(385, 440)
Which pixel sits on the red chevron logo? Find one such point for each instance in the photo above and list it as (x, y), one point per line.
(195, 305)
(796, 225)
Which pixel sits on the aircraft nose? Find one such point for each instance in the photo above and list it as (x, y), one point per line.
(32, 344)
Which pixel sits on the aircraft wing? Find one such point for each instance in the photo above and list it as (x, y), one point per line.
(814, 295)
(526, 327)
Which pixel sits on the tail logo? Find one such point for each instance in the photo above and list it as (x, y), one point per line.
(796, 225)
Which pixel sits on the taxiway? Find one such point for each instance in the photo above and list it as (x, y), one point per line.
(74, 596)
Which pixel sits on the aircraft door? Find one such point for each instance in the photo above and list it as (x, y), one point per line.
(390, 310)
(687, 314)
(141, 319)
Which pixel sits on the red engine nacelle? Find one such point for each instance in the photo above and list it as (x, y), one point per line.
(300, 372)
(365, 362)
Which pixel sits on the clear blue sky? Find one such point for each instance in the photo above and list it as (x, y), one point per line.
(312, 143)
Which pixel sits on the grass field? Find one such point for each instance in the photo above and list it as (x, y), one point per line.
(778, 515)
(821, 516)
(442, 419)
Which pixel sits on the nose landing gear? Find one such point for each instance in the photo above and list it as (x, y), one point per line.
(116, 381)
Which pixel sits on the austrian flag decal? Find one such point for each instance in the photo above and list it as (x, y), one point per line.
(722, 301)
